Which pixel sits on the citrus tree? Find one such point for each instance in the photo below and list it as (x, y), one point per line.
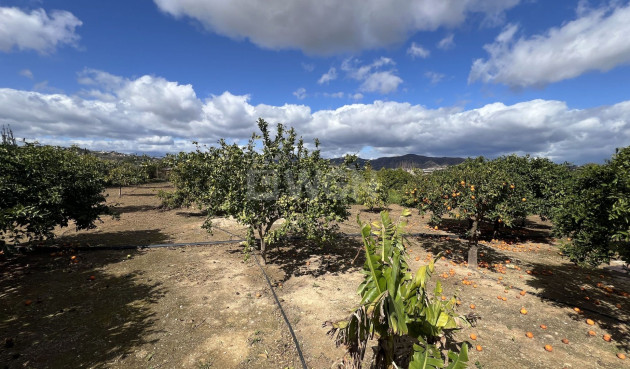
(397, 308)
(477, 190)
(367, 188)
(123, 174)
(274, 180)
(393, 182)
(595, 213)
(42, 187)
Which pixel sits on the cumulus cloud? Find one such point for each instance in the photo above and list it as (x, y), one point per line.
(417, 51)
(328, 76)
(336, 95)
(373, 78)
(382, 82)
(597, 40)
(434, 77)
(26, 73)
(151, 114)
(309, 67)
(300, 93)
(36, 30)
(447, 42)
(329, 26)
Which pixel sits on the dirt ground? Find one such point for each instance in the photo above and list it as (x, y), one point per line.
(207, 307)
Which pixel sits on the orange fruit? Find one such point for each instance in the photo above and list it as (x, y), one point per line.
(443, 298)
(523, 311)
(548, 348)
(473, 336)
(607, 337)
(523, 293)
(436, 227)
(73, 257)
(479, 348)
(590, 322)
(543, 326)
(591, 333)
(458, 302)
(258, 295)
(472, 306)
(417, 258)
(577, 310)
(28, 302)
(529, 335)
(565, 341)
(621, 356)
(92, 277)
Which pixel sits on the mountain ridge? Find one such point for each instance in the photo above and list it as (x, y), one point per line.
(407, 161)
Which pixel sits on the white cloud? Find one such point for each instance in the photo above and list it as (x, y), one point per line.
(434, 77)
(336, 95)
(151, 114)
(417, 51)
(329, 26)
(447, 42)
(357, 96)
(36, 30)
(328, 76)
(373, 78)
(300, 93)
(27, 73)
(382, 82)
(309, 67)
(597, 40)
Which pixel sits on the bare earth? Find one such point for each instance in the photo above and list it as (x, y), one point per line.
(206, 307)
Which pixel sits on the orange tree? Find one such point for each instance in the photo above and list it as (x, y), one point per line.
(268, 180)
(545, 180)
(42, 187)
(367, 189)
(123, 174)
(477, 190)
(595, 213)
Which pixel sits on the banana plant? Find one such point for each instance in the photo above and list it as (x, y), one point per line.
(396, 308)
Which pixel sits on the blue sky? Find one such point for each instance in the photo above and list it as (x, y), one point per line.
(433, 77)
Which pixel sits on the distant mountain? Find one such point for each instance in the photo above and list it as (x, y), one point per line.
(406, 161)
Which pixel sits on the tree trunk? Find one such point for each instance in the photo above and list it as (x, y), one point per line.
(472, 244)
(263, 246)
(120, 191)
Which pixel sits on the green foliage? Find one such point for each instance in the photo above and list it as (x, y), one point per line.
(595, 214)
(394, 182)
(368, 190)
(258, 187)
(395, 305)
(123, 174)
(42, 187)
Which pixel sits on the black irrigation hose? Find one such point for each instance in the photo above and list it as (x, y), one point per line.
(284, 316)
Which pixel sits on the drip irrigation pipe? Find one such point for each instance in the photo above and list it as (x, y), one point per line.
(284, 316)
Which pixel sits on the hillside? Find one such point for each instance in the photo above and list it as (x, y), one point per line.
(406, 161)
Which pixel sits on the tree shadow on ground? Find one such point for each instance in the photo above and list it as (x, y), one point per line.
(600, 295)
(530, 232)
(191, 213)
(123, 238)
(138, 194)
(302, 257)
(132, 208)
(52, 314)
(457, 251)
